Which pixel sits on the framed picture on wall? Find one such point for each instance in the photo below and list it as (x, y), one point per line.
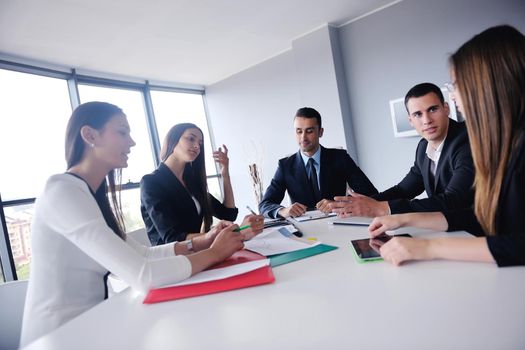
(398, 112)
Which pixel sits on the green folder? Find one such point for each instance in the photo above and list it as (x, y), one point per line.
(285, 258)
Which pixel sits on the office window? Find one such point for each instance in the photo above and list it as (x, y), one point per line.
(18, 220)
(34, 114)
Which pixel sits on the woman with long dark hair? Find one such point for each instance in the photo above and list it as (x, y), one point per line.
(488, 79)
(78, 238)
(175, 203)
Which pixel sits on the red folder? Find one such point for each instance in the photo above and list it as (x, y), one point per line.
(256, 277)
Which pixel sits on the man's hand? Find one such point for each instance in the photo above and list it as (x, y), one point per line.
(359, 205)
(324, 206)
(294, 210)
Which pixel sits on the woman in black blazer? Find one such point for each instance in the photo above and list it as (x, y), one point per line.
(175, 203)
(488, 83)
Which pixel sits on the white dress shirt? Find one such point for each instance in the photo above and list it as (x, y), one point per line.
(433, 154)
(73, 249)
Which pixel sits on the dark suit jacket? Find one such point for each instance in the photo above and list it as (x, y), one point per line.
(452, 186)
(337, 169)
(168, 209)
(508, 246)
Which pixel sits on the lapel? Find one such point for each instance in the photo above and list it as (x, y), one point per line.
(301, 179)
(324, 169)
(176, 191)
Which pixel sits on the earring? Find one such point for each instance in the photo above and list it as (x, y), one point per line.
(91, 145)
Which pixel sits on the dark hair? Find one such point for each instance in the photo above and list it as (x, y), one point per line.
(490, 79)
(194, 173)
(423, 89)
(307, 112)
(96, 115)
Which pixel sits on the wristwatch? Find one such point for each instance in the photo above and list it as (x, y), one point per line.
(189, 245)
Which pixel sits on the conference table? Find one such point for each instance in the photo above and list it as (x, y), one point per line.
(327, 301)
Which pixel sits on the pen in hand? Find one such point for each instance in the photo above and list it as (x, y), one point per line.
(251, 210)
(241, 228)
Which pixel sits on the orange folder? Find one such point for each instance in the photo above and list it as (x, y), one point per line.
(256, 277)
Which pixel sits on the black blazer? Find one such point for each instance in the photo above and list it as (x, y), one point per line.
(337, 169)
(508, 246)
(452, 186)
(168, 209)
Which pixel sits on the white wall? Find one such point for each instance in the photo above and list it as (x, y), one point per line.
(317, 77)
(255, 108)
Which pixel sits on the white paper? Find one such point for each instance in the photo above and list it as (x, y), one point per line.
(271, 242)
(223, 272)
(312, 215)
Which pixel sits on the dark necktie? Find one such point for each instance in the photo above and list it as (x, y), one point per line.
(313, 180)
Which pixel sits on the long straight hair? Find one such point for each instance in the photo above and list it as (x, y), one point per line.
(194, 173)
(96, 115)
(490, 78)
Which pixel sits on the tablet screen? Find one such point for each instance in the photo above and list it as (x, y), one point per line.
(365, 251)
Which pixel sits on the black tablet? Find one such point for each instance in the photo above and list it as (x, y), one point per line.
(364, 251)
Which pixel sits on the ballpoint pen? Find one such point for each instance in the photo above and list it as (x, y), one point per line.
(251, 210)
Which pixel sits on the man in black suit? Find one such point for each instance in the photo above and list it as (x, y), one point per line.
(314, 175)
(443, 166)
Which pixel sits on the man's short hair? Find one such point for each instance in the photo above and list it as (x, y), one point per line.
(423, 89)
(307, 112)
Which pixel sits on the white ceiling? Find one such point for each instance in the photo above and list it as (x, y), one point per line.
(186, 41)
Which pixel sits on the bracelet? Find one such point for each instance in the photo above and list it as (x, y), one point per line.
(189, 245)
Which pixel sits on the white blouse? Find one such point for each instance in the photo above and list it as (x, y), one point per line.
(73, 249)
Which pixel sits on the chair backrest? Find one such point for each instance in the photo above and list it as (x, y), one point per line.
(140, 236)
(12, 299)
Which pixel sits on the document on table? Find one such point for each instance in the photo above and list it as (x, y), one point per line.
(277, 241)
(313, 215)
(224, 272)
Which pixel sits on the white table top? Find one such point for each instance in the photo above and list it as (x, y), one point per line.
(327, 301)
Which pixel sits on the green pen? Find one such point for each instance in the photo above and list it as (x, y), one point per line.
(241, 228)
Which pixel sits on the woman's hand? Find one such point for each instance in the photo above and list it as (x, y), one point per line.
(209, 236)
(221, 157)
(256, 223)
(383, 223)
(227, 242)
(400, 249)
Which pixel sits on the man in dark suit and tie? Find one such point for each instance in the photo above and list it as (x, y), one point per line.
(314, 175)
(443, 166)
